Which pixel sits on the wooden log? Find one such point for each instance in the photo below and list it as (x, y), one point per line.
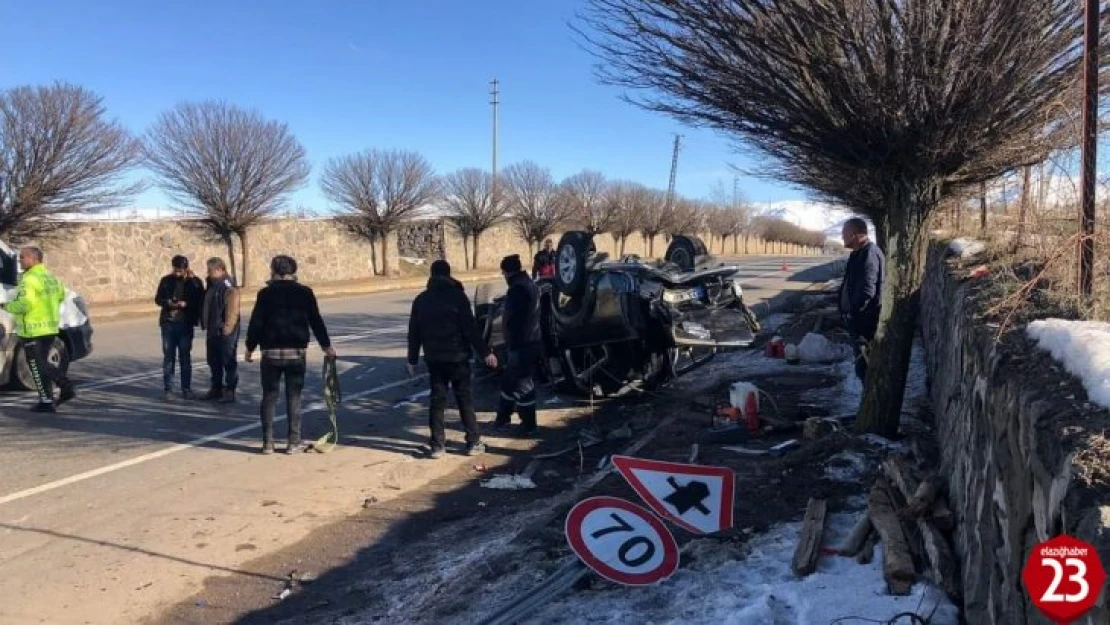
(867, 552)
(898, 569)
(936, 553)
(855, 541)
(923, 497)
(809, 543)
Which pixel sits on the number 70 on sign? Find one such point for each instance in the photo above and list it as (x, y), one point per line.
(621, 541)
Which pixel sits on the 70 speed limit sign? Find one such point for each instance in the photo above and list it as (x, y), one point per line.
(621, 541)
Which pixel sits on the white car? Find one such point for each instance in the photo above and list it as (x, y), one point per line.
(73, 343)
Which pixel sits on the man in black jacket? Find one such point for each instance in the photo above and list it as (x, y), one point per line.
(862, 289)
(520, 323)
(442, 323)
(543, 263)
(283, 314)
(180, 295)
(219, 318)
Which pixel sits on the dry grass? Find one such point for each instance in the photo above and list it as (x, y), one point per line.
(1035, 275)
(1092, 462)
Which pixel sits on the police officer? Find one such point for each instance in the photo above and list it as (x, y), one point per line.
(37, 312)
(521, 328)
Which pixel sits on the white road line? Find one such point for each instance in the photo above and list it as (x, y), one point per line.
(204, 440)
(145, 375)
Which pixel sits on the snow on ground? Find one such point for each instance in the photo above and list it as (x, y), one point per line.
(966, 248)
(753, 585)
(1083, 347)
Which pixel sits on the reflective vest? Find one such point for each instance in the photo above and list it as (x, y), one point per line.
(38, 303)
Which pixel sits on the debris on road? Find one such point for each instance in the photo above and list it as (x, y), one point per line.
(509, 482)
(369, 501)
(809, 541)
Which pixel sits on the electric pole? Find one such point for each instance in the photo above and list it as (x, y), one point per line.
(1090, 143)
(494, 92)
(674, 171)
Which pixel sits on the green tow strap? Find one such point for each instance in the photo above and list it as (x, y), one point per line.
(332, 398)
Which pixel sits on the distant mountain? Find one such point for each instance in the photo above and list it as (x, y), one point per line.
(816, 216)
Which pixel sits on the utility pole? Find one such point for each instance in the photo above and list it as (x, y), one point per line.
(494, 92)
(1090, 143)
(674, 171)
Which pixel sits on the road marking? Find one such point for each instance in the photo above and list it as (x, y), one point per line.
(204, 440)
(20, 398)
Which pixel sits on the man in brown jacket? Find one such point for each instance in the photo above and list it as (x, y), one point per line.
(220, 321)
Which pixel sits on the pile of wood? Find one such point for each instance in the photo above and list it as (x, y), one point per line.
(910, 520)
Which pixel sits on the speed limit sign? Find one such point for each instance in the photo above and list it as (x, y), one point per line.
(621, 541)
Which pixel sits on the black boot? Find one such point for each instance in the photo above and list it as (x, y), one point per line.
(528, 425)
(504, 416)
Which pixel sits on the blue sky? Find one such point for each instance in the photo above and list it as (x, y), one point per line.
(378, 73)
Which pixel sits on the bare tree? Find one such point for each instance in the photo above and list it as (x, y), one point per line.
(624, 200)
(585, 195)
(685, 217)
(654, 217)
(535, 201)
(229, 167)
(59, 155)
(377, 191)
(886, 106)
(471, 208)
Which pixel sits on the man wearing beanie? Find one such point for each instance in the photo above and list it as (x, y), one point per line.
(283, 314)
(180, 295)
(520, 324)
(442, 323)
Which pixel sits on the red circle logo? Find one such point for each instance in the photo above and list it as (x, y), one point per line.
(1064, 578)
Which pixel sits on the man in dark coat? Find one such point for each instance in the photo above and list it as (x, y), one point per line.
(180, 295)
(543, 263)
(520, 321)
(862, 289)
(442, 323)
(220, 320)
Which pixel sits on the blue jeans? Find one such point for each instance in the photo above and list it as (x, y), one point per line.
(177, 346)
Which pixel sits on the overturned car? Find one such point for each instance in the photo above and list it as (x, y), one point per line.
(608, 324)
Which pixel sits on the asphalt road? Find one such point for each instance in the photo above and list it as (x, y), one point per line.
(122, 504)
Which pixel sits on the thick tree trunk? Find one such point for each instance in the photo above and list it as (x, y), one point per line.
(385, 254)
(374, 255)
(651, 246)
(229, 241)
(244, 258)
(889, 359)
(474, 261)
(624, 239)
(466, 250)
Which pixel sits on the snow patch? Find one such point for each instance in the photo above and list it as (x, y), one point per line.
(846, 466)
(1083, 347)
(720, 583)
(816, 348)
(509, 482)
(966, 248)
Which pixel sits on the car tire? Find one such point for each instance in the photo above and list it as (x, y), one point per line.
(685, 251)
(59, 358)
(574, 249)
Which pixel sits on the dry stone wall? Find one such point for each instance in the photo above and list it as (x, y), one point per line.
(121, 261)
(1010, 422)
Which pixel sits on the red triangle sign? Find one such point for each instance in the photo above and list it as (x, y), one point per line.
(697, 498)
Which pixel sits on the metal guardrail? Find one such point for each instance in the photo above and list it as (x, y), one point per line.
(559, 582)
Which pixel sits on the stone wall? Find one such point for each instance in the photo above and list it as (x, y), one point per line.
(121, 261)
(1009, 423)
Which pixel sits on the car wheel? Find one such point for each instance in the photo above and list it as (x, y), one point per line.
(58, 359)
(574, 249)
(684, 251)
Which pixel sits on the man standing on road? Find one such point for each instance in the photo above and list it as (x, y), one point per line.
(861, 291)
(520, 323)
(543, 263)
(220, 320)
(283, 314)
(442, 323)
(37, 311)
(180, 295)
